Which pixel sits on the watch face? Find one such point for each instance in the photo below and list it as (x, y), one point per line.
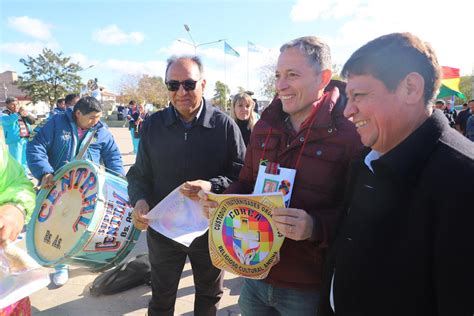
(243, 237)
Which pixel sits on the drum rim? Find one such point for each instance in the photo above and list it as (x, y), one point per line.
(30, 242)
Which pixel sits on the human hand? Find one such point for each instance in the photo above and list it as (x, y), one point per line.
(139, 211)
(47, 181)
(206, 203)
(11, 223)
(190, 189)
(294, 223)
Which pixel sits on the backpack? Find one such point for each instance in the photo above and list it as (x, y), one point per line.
(127, 275)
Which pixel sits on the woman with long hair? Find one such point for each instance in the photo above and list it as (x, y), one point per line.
(242, 111)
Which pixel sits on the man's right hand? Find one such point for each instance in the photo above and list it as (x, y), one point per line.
(206, 204)
(141, 208)
(47, 181)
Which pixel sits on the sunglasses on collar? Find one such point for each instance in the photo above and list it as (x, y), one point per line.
(188, 84)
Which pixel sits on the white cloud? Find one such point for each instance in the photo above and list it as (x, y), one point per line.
(233, 72)
(113, 35)
(368, 19)
(6, 67)
(310, 10)
(129, 67)
(27, 49)
(30, 26)
(83, 60)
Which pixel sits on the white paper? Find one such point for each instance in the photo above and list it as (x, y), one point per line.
(15, 286)
(282, 182)
(178, 218)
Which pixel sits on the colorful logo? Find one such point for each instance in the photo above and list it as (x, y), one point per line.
(243, 237)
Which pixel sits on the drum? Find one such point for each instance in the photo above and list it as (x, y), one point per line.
(83, 219)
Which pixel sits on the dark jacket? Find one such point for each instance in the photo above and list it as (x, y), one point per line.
(244, 130)
(405, 247)
(170, 154)
(320, 179)
(136, 124)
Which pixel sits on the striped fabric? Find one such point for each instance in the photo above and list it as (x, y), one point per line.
(24, 132)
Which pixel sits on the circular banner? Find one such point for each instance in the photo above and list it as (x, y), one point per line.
(243, 239)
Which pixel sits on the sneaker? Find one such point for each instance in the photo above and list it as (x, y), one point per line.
(60, 277)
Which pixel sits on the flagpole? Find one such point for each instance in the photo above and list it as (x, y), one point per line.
(225, 81)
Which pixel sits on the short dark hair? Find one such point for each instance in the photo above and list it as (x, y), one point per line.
(440, 102)
(472, 100)
(59, 101)
(315, 49)
(68, 99)
(390, 58)
(193, 58)
(10, 100)
(132, 102)
(87, 105)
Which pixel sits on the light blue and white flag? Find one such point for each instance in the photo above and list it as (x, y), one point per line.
(252, 48)
(229, 50)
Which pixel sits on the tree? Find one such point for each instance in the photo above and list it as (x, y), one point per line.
(49, 77)
(220, 96)
(336, 72)
(143, 88)
(465, 86)
(267, 75)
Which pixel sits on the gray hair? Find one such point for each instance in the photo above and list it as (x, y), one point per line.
(314, 48)
(175, 58)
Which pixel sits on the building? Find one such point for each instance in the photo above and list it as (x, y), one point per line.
(9, 88)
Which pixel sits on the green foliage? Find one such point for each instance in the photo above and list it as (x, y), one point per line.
(465, 86)
(336, 72)
(49, 76)
(221, 91)
(143, 89)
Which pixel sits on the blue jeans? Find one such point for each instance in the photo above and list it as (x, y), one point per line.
(259, 298)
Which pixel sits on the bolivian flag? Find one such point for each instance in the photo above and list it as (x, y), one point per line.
(450, 83)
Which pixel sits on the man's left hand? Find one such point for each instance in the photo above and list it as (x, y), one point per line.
(191, 189)
(11, 223)
(294, 223)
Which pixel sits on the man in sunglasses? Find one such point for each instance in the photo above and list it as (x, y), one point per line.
(193, 145)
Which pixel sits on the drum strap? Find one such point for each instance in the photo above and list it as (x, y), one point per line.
(80, 155)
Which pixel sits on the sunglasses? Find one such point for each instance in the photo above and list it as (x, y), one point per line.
(188, 85)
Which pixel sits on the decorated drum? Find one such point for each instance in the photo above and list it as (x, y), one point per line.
(243, 238)
(83, 219)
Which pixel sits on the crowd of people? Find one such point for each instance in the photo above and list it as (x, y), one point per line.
(366, 231)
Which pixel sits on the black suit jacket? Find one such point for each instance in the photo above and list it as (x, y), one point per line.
(406, 243)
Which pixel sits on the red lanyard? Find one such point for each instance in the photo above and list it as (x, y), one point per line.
(316, 109)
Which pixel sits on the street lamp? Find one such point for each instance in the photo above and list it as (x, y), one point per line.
(193, 44)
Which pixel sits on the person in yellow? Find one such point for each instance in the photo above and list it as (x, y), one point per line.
(17, 201)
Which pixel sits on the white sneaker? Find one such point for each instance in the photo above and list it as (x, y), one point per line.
(60, 277)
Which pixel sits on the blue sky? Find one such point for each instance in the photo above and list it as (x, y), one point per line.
(125, 38)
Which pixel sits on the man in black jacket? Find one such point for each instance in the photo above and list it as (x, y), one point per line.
(194, 145)
(402, 248)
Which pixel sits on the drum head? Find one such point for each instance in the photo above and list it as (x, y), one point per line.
(64, 213)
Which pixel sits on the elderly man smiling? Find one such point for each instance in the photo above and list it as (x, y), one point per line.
(403, 248)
